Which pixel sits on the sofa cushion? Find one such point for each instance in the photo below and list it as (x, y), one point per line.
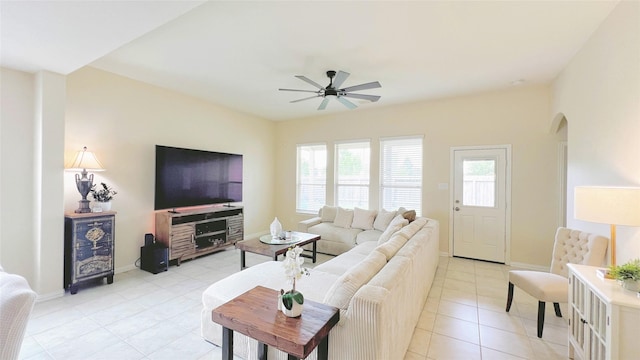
(341, 263)
(383, 219)
(368, 236)
(410, 230)
(328, 213)
(344, 218)
(396, 224)
(391, 247)
(341, 292)
(328, 231)
(363, 219)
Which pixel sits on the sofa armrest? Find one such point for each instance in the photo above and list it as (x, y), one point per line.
(304, 225)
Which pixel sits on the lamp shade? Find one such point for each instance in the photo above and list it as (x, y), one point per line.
(85, 160)
(608, 205)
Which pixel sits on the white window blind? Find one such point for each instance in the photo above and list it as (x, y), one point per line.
(311, 183)
(352, 174)
(401, 173)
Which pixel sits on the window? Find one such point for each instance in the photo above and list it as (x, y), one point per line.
(311, 183)
(479, 183)
(401, 173)
(352, 174)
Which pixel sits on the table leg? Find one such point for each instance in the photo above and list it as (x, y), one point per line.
(323, 348)
(315, 244)
(275, 257)
(227, 344)
(262, 351)
(243, 264)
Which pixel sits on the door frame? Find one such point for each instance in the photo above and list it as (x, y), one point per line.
(507, 220)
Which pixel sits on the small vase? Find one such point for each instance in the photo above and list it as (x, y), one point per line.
(296, 307)
(99, 206)
(275, 228)
(631, 285)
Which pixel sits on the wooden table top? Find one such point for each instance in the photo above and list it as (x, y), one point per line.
(255, 314)
(258, 247)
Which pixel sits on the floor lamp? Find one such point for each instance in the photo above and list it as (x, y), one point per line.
(608, 205)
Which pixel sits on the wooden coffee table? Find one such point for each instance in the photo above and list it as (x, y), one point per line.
(273, 250)
(255, 314)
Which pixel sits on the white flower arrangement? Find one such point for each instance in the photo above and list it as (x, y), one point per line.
(292, 264)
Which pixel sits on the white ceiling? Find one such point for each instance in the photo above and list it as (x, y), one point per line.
(238, 53)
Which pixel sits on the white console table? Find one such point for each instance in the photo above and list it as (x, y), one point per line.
(604, 319)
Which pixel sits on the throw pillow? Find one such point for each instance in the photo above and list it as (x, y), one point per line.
(391, 247)
(383, 219)
(328, 213)
(409, 215)
(363, 219)
(396, 224)
(344, 218)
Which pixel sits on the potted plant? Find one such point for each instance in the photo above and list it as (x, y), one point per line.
(103, 196)
(628, 274)
(291, 301)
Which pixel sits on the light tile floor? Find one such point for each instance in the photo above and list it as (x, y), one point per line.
(146, 316)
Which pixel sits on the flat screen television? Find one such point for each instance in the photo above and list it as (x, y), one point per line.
(188, 177)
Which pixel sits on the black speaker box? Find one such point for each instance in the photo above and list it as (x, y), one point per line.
(154, 258)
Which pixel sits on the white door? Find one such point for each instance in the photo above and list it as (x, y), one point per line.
(480, 203)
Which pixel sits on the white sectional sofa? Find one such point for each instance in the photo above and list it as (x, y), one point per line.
(380, 289)
(342, 229)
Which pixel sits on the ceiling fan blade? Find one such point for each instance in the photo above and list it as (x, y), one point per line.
(347, 103)
(307, 98)
(323, 104)
(306, 79)
(372, 98)
(371, 85)
(340, 78)
(311, 91)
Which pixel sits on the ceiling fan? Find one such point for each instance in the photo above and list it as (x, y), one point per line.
(333, 90)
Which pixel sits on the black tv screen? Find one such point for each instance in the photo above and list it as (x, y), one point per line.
(187, 177)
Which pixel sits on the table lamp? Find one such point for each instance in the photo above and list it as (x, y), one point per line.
(608, 205)
(84, 160)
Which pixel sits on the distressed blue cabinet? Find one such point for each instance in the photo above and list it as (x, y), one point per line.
(89, 243)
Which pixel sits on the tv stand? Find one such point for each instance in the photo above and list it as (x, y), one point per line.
(190, 234)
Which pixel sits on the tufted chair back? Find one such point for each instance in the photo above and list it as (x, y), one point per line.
(577, 247)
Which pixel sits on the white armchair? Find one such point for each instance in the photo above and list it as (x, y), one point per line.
(16, 303)
(571, 246)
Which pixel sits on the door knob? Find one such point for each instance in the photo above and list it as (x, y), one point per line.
(456, 208)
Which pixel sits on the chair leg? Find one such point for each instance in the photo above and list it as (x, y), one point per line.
(556, 307)
(540, 317)
(509, 296)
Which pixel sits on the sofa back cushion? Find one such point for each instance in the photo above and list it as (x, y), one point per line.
(396, 224)
(383, 219)
(411, 229)
(363, 219)
(328, 213)
(341, 292)
(391, 247)
(344, 218)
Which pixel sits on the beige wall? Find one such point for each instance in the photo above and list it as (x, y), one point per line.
(122, 120)
(518, 116)
(599, 94)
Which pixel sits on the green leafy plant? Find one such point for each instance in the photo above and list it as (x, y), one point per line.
(628, 271)
(290, 296)
(102, 194)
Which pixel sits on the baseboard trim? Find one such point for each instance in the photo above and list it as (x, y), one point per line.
(525, 266)
(50, 296)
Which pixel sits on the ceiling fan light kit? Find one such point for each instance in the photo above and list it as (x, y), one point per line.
(333, 90)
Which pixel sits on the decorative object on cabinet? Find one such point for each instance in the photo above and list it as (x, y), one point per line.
(192, 233)
(84, 160)
(604, 319)
(102, 197)
(627, 274)
(88, 248)
(608, 205)
(570, 246)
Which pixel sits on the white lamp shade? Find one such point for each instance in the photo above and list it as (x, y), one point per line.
(608, 205)
(85, 160)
